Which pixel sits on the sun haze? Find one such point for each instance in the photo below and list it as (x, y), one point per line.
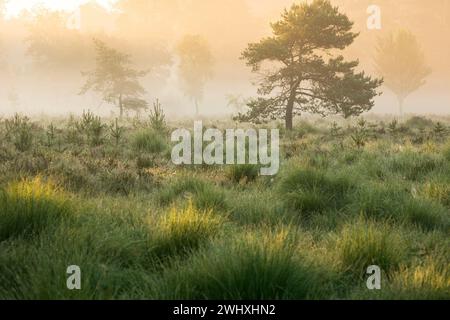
(14, 8)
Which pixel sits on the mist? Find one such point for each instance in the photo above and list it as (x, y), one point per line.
(43, 52)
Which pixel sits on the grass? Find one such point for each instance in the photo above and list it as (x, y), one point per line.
(30, 206)
(310, 191)
(142, 228)
(253, 266)
(147, 140)
(181, 231)
(204, 194)
(243, 173)
(363, 243)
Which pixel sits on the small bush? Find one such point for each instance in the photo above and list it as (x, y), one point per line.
(364, 243)
(417, 122)
(29, 206)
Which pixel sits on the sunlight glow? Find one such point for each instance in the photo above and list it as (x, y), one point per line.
(15, 7)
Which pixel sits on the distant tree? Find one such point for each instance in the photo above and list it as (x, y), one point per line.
(52, 45)
(401, 61)
(195, 68)
(300, 79)
(115, 79)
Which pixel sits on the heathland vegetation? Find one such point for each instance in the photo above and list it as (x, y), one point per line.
(106, 197)
(353, 190)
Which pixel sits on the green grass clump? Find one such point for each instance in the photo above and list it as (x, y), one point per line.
(256, 208)
(182, 231)
(243, 173)
(29, 206)
(310, 191)
(148, 141)
(427, 280)
(437, 191)
(363, 243)
(203, 194)
(446, 151)
(392, 202)
(425, 214)
(430, 280)
(254, 266)
(414, 165)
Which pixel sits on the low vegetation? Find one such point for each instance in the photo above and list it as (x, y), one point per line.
(109, 200)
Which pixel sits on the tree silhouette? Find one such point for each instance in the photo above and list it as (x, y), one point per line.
(299, 78)
(52, 45)
(114, 79)
(195, 68)
(401, 61)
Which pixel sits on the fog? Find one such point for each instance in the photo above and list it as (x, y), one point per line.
(43, 52)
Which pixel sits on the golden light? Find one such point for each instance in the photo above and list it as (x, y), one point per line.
(13, 8)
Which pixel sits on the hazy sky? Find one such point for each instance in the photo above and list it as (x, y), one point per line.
(14, 7)
(149, 34)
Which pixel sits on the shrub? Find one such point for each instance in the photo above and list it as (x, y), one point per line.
(157, 117)
(419, 123)
(119, 180)
(29, 206)
(19, 132)
(364, 243)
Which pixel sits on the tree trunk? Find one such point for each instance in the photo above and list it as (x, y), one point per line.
(290, 113)
(401, 102)
(197, 112)
(121, 106)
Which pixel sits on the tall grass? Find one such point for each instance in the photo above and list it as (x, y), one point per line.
(312, 191)
(364, 243)
(183, 230)
(29, 206)
(203, 194)
(253, 266)
(148, 141)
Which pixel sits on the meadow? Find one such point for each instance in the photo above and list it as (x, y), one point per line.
(103, 194)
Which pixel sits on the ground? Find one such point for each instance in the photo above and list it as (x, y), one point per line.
(105, 196)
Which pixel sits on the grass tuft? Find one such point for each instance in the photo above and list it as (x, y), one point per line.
(29, 206)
